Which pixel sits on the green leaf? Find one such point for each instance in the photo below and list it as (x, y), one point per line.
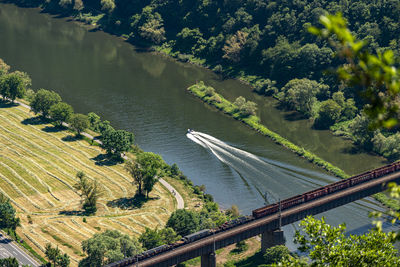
(388, 57)
(390, 123)
(314, 30)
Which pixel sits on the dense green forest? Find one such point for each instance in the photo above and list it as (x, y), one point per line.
(266, 43)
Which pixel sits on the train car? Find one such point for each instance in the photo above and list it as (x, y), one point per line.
(316, 193)
(293, 201)
(385, 170)
(236, 222)
(361, 178)
(396, 165)
(260, 212)
(338, 186)
(196, 236)
(156, 250)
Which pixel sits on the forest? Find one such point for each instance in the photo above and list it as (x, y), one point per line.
(265, 43)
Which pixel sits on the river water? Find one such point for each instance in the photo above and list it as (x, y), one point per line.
(145, 93)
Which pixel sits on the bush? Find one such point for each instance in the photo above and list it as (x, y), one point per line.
(208, 197)
(276, 254)
(241, 246)
(184, 222)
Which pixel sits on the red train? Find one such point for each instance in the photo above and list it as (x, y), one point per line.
(339, 185)
(267, 210)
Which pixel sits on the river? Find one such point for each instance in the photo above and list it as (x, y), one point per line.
(145, 93)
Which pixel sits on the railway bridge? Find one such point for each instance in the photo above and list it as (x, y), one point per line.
(268, 226)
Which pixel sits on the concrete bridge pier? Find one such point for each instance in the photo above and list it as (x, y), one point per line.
(272, 238)
(208, 260)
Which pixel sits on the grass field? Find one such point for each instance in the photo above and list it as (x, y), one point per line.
(38, 164)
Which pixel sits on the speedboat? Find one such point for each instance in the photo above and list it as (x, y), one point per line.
(189, 131)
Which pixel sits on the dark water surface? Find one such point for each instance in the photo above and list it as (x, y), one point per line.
(145, 93)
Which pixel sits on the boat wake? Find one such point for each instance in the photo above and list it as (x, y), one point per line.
(268, 176)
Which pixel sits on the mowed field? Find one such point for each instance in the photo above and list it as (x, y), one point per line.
(38, 166)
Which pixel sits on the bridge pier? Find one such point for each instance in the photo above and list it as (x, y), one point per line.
(272, 238)
(208, 260)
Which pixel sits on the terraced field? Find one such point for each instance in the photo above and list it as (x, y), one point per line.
(38, 165)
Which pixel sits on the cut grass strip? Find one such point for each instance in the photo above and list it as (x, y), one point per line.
(25, 168)
(20, 192)
(61, 241)
(32, 189)
(61, 143)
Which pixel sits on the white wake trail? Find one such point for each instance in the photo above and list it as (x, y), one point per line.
(228, 147)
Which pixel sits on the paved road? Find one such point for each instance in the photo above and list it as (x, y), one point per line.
(8, 248)
(178, 197)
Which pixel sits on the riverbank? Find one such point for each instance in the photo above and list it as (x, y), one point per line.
(208, 95)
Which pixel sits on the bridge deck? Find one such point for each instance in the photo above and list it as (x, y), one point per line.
(269, 223)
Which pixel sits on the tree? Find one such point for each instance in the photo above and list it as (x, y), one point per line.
(144, 171)
(43, 100)
(134, 170)
(94, 121)
(245, 108)
(149, 25)
(61, 112)
(107, 5)
(239, 102)
(149, 165)
(4, 68)
(55, 256)
(276, 254)
(234, 46)
(90, 191)
(8, 219)
(233, 212)
(154, 238)
(184, 222)
(328, 245)
(9, 262)
(107, 247)
(66, 4)
(150, 239)
(375, 76)
(12, 86)
(249, 108)
(328, 113)
(79, 123)
(300, 95)
(26, 80)
(168, 235)
(175, 170)
(116, 141)
(360, 131)
(190, 40)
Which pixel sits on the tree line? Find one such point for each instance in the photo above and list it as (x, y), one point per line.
(266, 43)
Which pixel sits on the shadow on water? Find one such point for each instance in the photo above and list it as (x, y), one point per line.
(125, 203)
(353, 150)
(294, 116)
(35, 121)
(106, 160)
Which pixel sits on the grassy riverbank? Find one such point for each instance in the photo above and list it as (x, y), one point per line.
(208, 95)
